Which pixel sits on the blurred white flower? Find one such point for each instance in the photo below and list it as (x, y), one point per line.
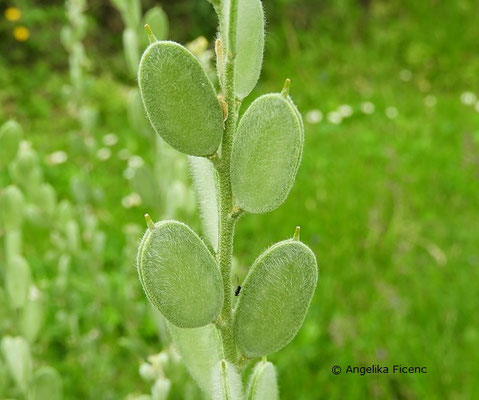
(34, 293)
(147, 372)
(57, 157)
(335, 117)
(135, 161)
(430, 100)
(110, 139)
(345, 110)
(405, 75)
(314, 117)
(367, 107)
(392, 112)
(124, 154)
(129, 173)
(103, 154)
(468, 98)
(132, 200)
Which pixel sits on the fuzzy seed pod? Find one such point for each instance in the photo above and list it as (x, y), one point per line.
(179, 275)
(131, 48)
(179, 99)
(33, 314)
(11, 208)
(205, 182)
(10, 135)
(263, 384)
(25, 170)
(16, 353)
(274, 298)
(266, 153)
(157, 20)
(200, 350)
(136, 114)
(46, 384)
(17, 281)
(45, 198)
(249, 44)
(226, 382)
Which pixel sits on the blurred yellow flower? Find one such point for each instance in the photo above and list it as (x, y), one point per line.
(21, 33)
(12, 14)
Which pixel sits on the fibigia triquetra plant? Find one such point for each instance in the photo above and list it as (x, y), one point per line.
(239, 165)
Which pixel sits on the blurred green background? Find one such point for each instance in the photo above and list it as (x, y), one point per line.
(387, 194)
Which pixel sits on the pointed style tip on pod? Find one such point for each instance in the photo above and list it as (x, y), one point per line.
(179, 275)
(149, 222)
(287, 85)
(296, 234)
(283, 278)
(151, 36)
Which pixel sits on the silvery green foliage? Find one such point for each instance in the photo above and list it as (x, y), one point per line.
(16, 353)
(266, 154)
(205, 182)
(11, 208)
(17, 281)
(13, 244)
(10, 136)
(25, 170)
(179, 275)
(191, 124)
(249, 44)
(263, 383)
(46, 384)
(201, 350)
(275, 297)
(226, 382)
(33, 314)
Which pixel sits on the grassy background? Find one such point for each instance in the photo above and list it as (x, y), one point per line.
(389, 205)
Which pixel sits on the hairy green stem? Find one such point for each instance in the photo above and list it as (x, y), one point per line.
(226, 222)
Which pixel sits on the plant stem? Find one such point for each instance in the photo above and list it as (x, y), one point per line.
(226, 222)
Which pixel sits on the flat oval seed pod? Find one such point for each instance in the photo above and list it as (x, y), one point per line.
(201, 350)
(16, 353)
(249, 44)
(179, 99)
(179, 275)
(46, 384)
(12, 204)
(157, 19)
(274, 298)
(226, 382)
(131, 48)
(10, 135)
(266, 153)
(263, 384)
(17, 281)
(205, 182)
(33, 315)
